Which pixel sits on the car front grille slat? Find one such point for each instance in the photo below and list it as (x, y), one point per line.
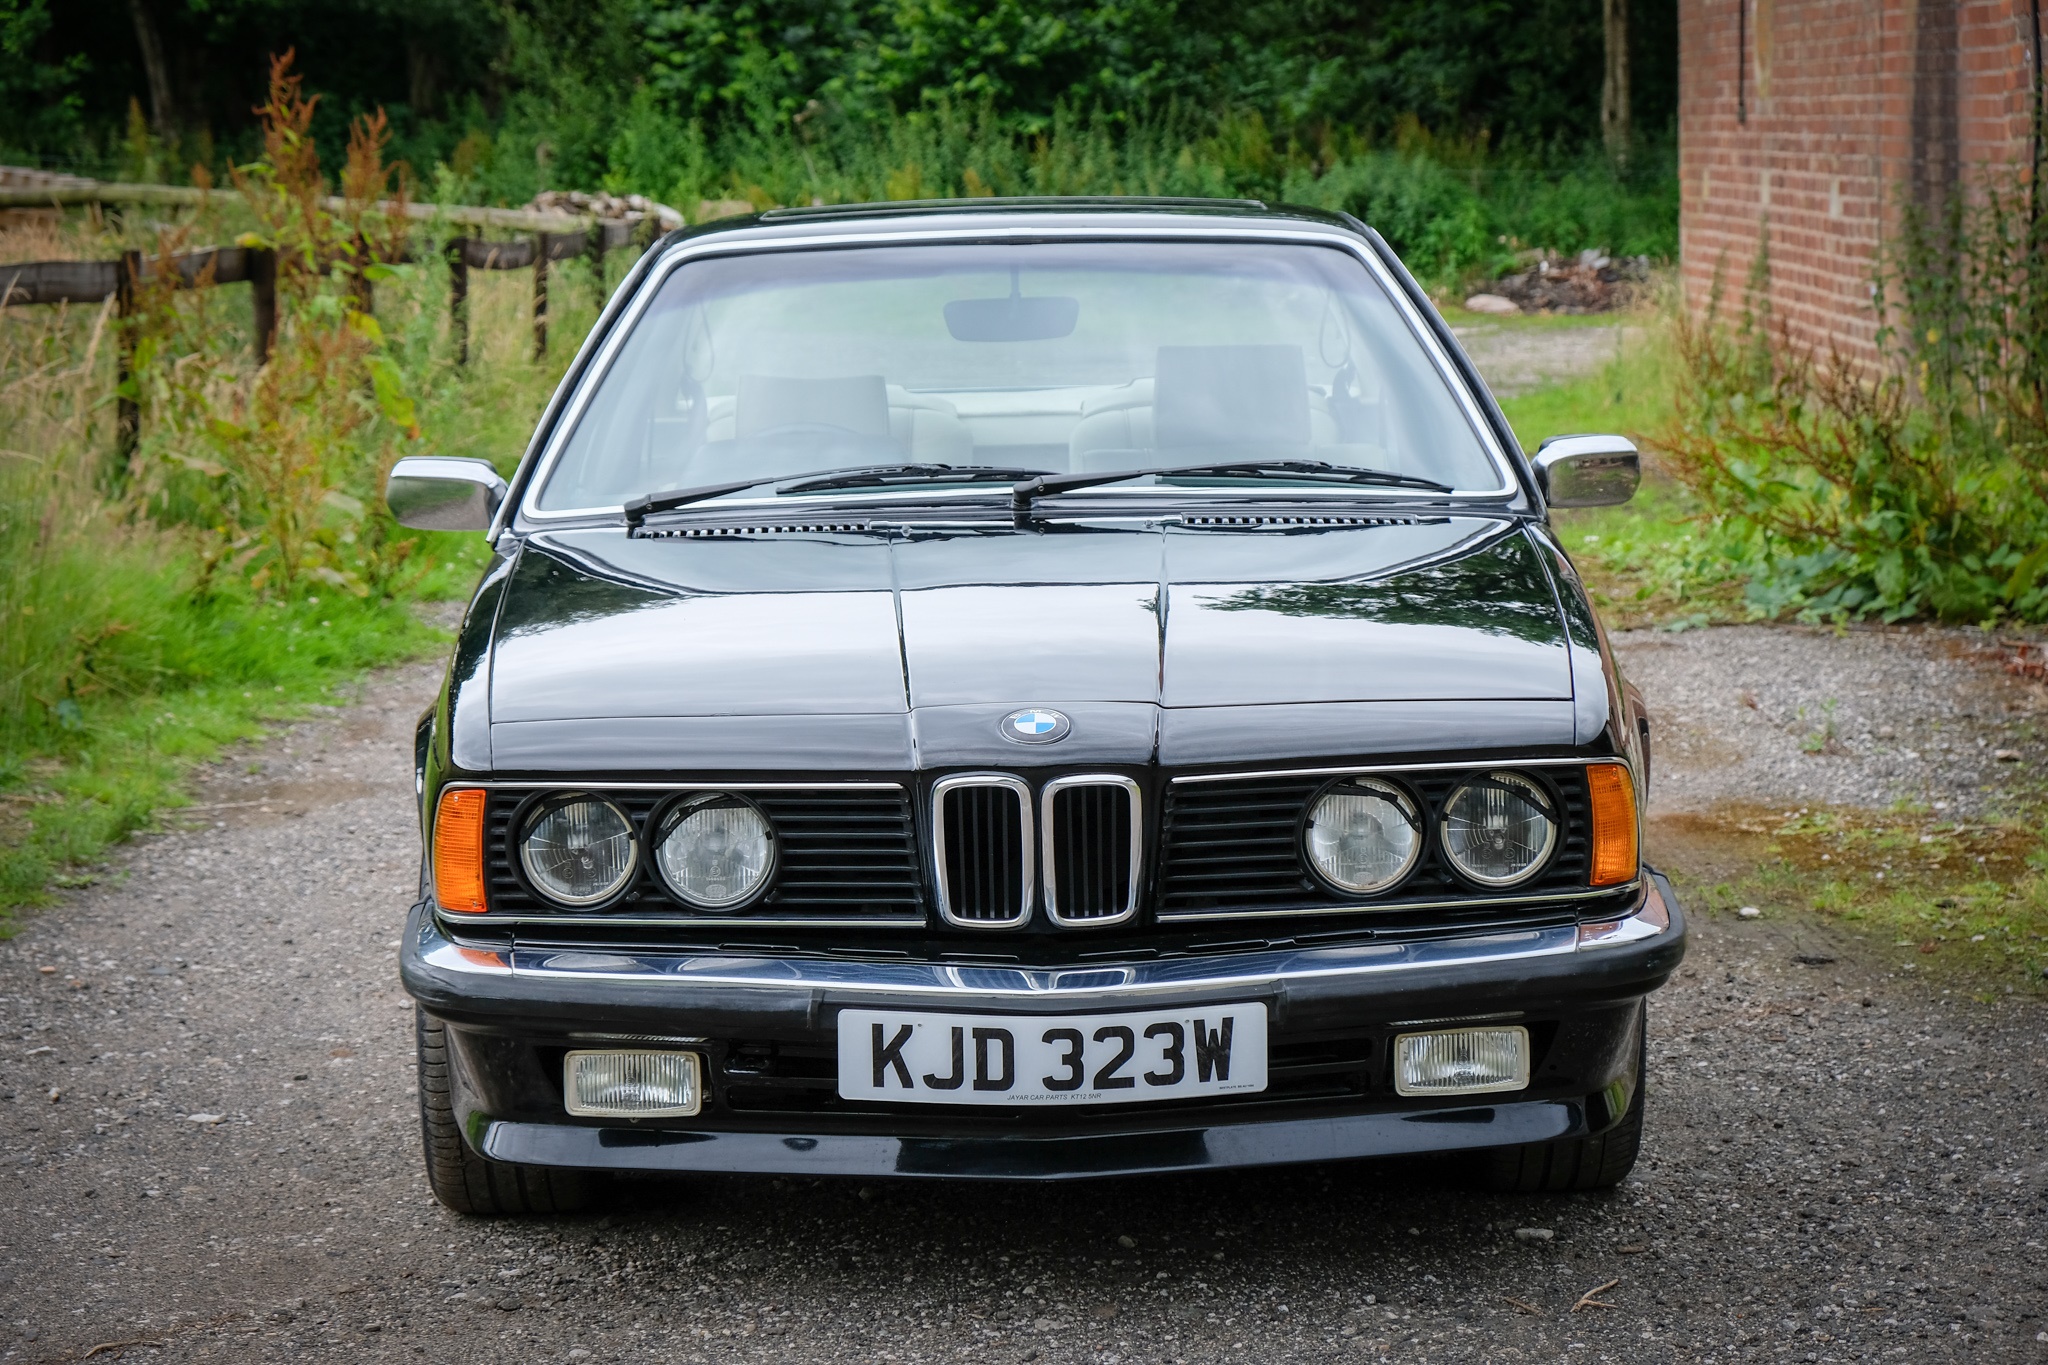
(1235, 846)
(982, 853)
(847, 853)
(1002, 845)
(1093, 845)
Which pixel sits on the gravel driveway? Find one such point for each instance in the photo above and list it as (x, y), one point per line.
(1867, 717)
(208, 1151)
(1516, 360)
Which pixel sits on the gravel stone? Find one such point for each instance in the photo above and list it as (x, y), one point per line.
(1864, 718)
(1841, 1163)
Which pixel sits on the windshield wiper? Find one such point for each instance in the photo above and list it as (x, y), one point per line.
(885, 475)
(863, 476)
(1319, 471)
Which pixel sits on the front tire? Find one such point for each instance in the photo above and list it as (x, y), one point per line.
(464, 1181)
(1575, 1164)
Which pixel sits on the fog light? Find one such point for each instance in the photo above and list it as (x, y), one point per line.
(632, 1085)
(1462, 1061)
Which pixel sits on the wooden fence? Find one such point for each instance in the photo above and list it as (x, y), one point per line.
(553, 237)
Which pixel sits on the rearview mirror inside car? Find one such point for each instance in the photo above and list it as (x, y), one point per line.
(1045, 318)
(444, 493)
(1588, 471)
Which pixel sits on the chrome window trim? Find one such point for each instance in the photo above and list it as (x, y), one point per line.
(988, 231)
(1369, 769)
(1050, 860)
(1026, 853)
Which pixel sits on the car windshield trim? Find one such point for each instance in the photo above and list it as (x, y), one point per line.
(599, 352)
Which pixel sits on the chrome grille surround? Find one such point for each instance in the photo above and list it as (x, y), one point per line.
(1104, 865)
(979, 839)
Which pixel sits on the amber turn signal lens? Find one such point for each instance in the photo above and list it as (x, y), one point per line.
(459, 851)
(1616, 850)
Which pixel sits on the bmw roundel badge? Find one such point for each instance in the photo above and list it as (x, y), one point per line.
(1035, 725)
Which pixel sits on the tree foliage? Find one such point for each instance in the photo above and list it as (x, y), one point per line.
(558, 74)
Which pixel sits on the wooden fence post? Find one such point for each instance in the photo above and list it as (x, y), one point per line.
(263, 300)
(540, 296)
(458, 296)
(127, 409)
(596, 252)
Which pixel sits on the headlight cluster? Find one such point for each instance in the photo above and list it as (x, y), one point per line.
(1495, 829)
(712, 850)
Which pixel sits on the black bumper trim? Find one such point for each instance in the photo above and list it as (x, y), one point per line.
(1148, 1152)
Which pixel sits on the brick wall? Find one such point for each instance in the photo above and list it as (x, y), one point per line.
(1815, 120)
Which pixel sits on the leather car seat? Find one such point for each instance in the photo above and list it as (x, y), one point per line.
(1204, 398)
(929, 429)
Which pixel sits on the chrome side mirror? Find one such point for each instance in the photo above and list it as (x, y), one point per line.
(444, 493)
(1588, 471)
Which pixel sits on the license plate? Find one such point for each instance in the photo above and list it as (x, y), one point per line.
(1010, 1059)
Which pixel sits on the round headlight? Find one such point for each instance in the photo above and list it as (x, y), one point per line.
(1499, 828)
(579, 850)
(1364, 835)
(714, 851)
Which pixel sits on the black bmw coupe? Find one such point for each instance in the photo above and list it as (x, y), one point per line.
(1027, 690)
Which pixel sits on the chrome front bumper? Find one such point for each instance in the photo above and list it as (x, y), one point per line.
(1636, 952)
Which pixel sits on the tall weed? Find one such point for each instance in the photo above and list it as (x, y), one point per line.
(240, 564)
(1455, 211)
(275, 467)
(1919, 489)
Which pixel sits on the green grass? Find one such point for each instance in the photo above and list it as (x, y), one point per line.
(1654, 561)
(122, 760)
(123, 663)
(1962, 901)
(1631, 394)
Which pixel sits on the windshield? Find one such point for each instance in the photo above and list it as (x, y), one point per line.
(1079, 357)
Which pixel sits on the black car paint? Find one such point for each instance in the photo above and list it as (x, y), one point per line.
(1446, 633)
(901, 650)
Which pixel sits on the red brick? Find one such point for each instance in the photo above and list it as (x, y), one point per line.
(1827, 157)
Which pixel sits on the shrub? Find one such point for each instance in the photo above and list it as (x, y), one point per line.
(1919, 489)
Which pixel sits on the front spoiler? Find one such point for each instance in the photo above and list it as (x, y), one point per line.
(1096, 1155)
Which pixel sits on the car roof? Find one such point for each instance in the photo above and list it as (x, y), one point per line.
(1068, 212)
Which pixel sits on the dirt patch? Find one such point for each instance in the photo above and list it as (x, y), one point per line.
(1515, 360)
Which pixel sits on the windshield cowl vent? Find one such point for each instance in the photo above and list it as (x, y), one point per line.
(779, 529)
(1281, 519)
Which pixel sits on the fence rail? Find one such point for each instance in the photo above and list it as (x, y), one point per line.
(63, 195)
(551, 237)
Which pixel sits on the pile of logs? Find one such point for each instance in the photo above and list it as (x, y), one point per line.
(1591, 282)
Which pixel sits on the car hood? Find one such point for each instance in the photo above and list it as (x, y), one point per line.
(910, 645)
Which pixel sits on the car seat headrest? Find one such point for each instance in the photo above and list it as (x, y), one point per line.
(1230, 396)
(1136, 394)
(856, 403)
